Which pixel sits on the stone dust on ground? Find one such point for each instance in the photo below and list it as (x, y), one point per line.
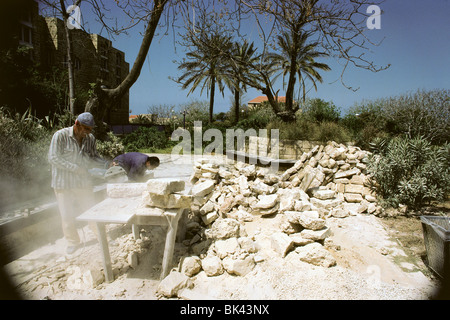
(371, 264)
(376, 258)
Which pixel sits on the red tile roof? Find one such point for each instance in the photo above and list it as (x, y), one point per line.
(264, 98)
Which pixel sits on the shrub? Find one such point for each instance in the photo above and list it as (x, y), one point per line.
(145, 138)
(111, 147)
(24, 168)
(410, 171)
(304, 129)
(332, 131)
(421, 114)
(257, 117)
(319, 111)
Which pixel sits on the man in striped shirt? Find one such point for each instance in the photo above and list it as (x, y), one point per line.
(72, 152)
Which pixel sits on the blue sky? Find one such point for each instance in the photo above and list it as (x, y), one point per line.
(416, 44)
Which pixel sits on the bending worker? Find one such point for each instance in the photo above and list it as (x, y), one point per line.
(136, 164)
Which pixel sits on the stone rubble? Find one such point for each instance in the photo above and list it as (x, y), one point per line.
(328, 181)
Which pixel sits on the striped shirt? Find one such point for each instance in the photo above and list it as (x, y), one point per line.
(66, 157)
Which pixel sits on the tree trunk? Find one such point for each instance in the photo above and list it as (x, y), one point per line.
(211, 98)
(236, 104)
(69, 59)
(290, 89)
(103, 99)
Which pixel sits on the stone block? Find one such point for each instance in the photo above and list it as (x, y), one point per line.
(281, 243)
(239, 266)
(266, 201)
(226, 247)
(125, 190)
(170, 201)
(356, 188)
(92, 278)
(301, 205)
(299, 240)
(310, 220)
(325, 204)
(173, 283)
(207, 208)
(132, 259)
(210, 217)
(339, 213)
(203, 188)
(316, 235)
(165, 186)
(323, 194)
(353, 197)
(224, 229)
(347, 173)
(190, 266)
(212, 265)
(316, 254)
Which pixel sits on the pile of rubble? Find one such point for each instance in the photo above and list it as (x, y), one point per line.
(328, 181)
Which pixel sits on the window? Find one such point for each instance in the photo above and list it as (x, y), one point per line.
(104, 63)
(76, 63)
(26, 34)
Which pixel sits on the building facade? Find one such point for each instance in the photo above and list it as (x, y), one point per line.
(94, 57)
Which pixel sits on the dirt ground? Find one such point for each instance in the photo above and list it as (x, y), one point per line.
(377, 258)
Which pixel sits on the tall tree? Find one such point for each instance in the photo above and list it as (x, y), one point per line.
(60, 6)
(338, 26)
(297, 57)
(205, 65)
(245, 54)
(104, 98)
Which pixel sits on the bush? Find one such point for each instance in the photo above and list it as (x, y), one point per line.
(332, 131)
(145, 138)
(318, 110)
(111, 147)
(304, 129)
(24, 168)
(423, 114)
(257, 117)
(410, 171)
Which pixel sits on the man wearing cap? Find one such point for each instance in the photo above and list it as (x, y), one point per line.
(72, 152)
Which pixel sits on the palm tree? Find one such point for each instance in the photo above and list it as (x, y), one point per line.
(297, 57)
(206, 64)
(242, 57)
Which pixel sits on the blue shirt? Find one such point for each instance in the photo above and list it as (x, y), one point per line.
(133, 163)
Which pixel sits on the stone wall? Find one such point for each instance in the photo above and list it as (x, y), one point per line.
(287, 149)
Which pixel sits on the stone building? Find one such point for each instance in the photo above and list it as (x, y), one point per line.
(94, 56)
